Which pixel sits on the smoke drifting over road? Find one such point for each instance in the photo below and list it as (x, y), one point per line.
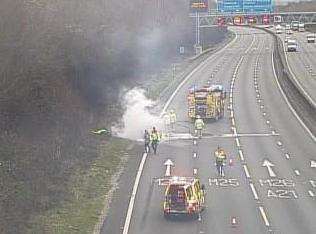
(137, 116)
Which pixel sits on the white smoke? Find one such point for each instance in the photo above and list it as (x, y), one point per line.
(137, 116)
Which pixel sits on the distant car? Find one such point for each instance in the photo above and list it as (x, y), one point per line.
(286, 39)
(311, 38)
(287, 27)
(291, 45)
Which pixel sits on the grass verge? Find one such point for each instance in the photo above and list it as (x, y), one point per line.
(89, 190)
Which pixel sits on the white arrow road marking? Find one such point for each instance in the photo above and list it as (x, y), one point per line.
(168, 164)
(313, 164)
(269, 165)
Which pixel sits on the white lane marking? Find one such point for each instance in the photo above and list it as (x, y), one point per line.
(194, 142)
(234, 221)
(264, 113)
(233, 122)
(313, 164)
(194, 71)
(266, 163)
(237, 142)
(297, 172)
(234, 132)
(273, 132)
(195, 171)
(311, 193)
(231, 114)
(261, 106)
(254, 191)
(246, 171)
(268, 122)
(241, 155)
(168, 163)
(287, 156)
(279, 143)
(264, 216)
(289, 104)
(194, 155)
(133, 196)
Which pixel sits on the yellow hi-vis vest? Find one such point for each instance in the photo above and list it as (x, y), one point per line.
(199, 124)
(173, 118)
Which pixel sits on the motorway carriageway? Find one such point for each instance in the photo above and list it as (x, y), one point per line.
(269, 187)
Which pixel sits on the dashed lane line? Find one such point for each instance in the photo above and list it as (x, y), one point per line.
(254, 191)
(264, 216)
(241, 155)
(246, 171)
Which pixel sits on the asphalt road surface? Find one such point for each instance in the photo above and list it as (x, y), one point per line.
(258, 127)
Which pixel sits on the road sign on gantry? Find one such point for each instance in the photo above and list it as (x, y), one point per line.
(257, 6)
(229, 6)
(198, 5)
(245, 6)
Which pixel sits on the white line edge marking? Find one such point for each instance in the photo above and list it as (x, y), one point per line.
(311, 193)
(195, 171)
(264, 216)
(254, 191)
(289, 105)
(133, 196)
(141, 166)
(246, 171)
